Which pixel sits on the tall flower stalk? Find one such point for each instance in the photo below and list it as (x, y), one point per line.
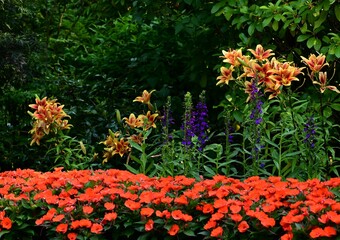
(187, 121)
(200, 124)
(256, 119)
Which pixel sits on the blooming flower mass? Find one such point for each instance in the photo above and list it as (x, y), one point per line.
(116, 196)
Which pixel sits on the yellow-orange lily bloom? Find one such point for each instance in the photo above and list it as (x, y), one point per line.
(148, 120)
(315, 63)
(323, 83)
(145, 98)
(227, 75)
(260, 54)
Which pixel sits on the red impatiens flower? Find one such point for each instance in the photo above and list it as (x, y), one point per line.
(208, 208)
(210, 224)
(58, 218)
(87, 209)
(109, 206)
(6, 223)
(110, 216)
(149, 225)
(173, 230)
(96, 228)
(146, 212)
(217, 232)
(62, 228)
(164, 213)
(268, 222)
(72, 236)
(177, 214)
(243, 226)
(287, 236)
(132, 205)
(235, 208)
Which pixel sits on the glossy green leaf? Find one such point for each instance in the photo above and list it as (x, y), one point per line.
(303, 37)
(228, 13)
(335, 106)
(275, 25)
(267, 21)
(337, 52)
(337, 12)
(320, 20)
(327, 112)
(304, 28)
(317, 44)
(251, 29)
(311, 41)
(217, 7)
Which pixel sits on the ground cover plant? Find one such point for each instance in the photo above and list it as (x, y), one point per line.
(116, 204)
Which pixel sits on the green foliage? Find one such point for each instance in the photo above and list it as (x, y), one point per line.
(291, 26)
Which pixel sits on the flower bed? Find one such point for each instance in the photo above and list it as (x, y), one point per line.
(118, 204)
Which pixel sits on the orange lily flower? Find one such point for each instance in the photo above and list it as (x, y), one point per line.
(145, 98)
(132, 121)
(261, 72)
(232, 57)
(137, 138)
(315, 63)
(148, 120)
(227, 75)
(260, 54)
(274, 88)
(323, 83)
(284, 76)
(122, 147)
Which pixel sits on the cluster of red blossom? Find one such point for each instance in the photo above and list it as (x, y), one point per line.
(95, 201)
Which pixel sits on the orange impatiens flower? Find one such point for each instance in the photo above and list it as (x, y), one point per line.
(96, 228)
(287, 236)
(132, 205)
(182, 200)
(333, 216)
(146, 212)
(177, 214)
(236, 217)
(109, 206)
(58, 218)
(62, 228)
(6, 223)
(208, 208)
(145, 98)
(260, 54)
(149, 225)
(164, 213)
(268, 222)
(217, 232)
(72, 236)
(87, 209)
(326, 232)
(235, 208)
(173, 230)
(110, 216)
(243, 226)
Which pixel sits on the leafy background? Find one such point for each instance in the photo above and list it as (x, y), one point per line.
(95, 57)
